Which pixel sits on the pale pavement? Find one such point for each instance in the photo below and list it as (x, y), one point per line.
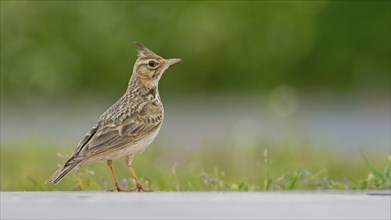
(182, 205)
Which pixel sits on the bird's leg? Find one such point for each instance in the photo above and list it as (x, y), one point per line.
(139, 186)
(110, 164)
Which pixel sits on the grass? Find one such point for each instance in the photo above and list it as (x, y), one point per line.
(292, 166)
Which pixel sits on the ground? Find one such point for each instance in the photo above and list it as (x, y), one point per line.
(266, 205)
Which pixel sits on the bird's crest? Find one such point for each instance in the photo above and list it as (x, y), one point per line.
(143, 51)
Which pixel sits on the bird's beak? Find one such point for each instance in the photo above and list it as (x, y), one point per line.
(173, 61)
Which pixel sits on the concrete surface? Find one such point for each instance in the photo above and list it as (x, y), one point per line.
(182, 205)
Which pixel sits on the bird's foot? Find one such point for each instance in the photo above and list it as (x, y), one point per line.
(139, 188)
(118, 189)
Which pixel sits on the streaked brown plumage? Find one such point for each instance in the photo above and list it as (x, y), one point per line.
(128, 126)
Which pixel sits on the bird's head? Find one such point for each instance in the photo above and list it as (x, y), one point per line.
(149, 67)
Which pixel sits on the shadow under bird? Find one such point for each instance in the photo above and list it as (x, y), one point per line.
(128, 126)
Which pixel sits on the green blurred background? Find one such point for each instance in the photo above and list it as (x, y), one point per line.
(52, 49)
(320, 69)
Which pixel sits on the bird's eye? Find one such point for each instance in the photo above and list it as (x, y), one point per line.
(152, 63)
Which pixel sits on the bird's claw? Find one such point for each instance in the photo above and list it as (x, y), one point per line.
(139, 188)
(118, 189)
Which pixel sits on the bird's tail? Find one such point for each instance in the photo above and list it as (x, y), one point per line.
(62, 172)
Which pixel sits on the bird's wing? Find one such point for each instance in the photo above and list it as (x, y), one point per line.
(85, 140)
(114, 135)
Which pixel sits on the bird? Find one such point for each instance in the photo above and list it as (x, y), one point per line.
(129, 125)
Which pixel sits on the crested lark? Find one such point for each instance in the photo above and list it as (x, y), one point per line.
(128, 126)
